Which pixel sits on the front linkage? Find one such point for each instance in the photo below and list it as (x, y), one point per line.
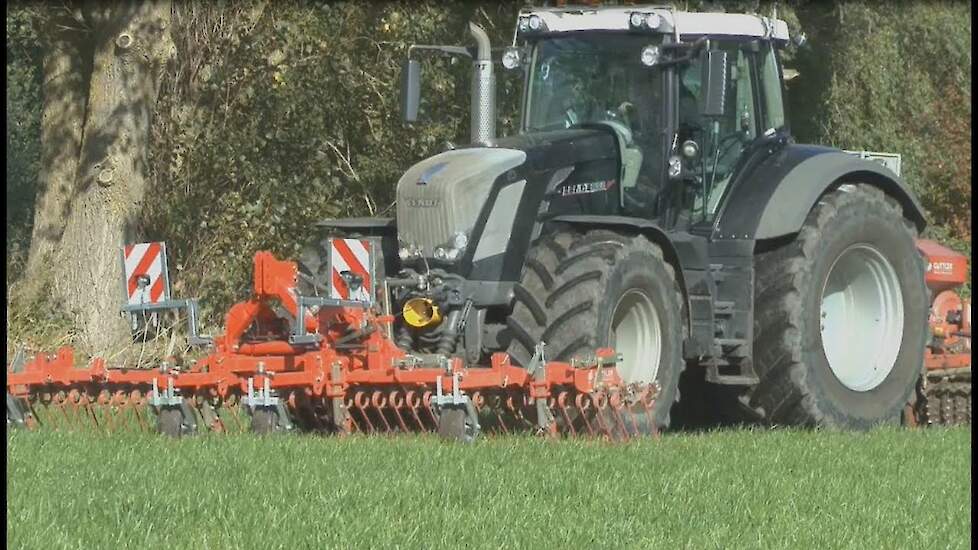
(340, 374)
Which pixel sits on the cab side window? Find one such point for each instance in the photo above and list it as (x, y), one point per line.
(770, 75)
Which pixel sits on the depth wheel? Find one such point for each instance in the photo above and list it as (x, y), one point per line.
(454, 425)
(264, 420)
(169, 422)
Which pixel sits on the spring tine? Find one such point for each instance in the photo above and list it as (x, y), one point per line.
(583, 403)
(497, 408)
(378, 402)
(413, 402)
(355, 424)
(615, 403)
(562, 406)
(426, 401)
(396, 402)
(600, 402)
(360, 403)
(86, 404)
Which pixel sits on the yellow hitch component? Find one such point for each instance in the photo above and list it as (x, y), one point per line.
(421, 313)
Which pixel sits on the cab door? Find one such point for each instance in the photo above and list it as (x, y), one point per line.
(723, 140)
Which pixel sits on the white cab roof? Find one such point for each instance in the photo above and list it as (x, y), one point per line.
(615, 18)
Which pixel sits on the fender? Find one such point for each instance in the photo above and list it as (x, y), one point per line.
(775, 198)
(685, 251)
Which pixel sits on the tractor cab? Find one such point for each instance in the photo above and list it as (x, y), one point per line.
(687, 95)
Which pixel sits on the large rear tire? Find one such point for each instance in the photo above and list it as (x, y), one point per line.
(585, 290)
(841, 315)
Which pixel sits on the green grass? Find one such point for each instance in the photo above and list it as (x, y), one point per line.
(732, 489)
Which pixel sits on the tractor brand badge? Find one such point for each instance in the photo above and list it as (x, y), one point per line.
(586, 188)
(423, 203)
(426, 176)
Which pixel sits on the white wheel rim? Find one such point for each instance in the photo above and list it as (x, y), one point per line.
(636, 334)
(861, 318)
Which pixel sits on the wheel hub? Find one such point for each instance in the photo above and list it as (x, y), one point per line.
(636, 333)
(861, 318)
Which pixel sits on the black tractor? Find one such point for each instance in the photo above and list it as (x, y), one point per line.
(654, 201)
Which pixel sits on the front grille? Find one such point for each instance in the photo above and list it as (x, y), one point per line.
(456, 185)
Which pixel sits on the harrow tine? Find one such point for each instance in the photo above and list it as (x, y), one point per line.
(615, 403)
(396, 401)
(561, 402)
(497, 408)
(600, 401)
(378, 403)
(426, 399)
(583, 403)
(413, 401)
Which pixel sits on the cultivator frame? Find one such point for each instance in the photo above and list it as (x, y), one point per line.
(327, 365)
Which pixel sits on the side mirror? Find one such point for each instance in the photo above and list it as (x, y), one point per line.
(714, 83)
(410, 90)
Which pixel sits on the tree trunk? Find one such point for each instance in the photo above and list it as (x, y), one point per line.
(64, 88)
(131, 47)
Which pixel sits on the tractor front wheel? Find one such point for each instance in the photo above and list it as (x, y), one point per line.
(581, 291)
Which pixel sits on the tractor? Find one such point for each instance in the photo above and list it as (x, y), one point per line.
(653, 201)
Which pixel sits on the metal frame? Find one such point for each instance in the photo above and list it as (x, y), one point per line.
(194, 338)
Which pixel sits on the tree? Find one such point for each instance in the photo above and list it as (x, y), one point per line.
(102, 67)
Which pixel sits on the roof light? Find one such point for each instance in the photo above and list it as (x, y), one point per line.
(536, 24)
(636, 19)
(652, 21)
(524, 24)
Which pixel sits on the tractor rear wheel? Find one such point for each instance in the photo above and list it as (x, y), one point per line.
(840, 319)
(585, 290)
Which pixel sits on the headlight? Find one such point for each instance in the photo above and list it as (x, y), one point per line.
(524, 24)
(460, 240)
(407, 252)
(511, 58)
(650, 55)
(675, 166)
(653, 21)
(636, 19)
(535, 23)
(441, 253)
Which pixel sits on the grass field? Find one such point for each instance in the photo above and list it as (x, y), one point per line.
(731, 489)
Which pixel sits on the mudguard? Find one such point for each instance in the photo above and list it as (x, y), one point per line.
(776, 197)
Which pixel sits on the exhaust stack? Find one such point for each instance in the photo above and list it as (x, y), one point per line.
(483, 108)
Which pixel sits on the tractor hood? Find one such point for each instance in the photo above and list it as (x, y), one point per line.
(445, 195)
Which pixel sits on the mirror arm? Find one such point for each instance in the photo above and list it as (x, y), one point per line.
(448, 50)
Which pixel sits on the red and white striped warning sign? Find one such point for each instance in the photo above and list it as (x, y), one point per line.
(145, 280)
(349, 261)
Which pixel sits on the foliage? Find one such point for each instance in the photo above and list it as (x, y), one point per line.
(23, 130)
(900, 81)
(275, 115)
(736, 489)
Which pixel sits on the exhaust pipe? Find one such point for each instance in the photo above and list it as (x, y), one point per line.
(483, 108)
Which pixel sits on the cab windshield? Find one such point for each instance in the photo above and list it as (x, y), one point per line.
(592, 77)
